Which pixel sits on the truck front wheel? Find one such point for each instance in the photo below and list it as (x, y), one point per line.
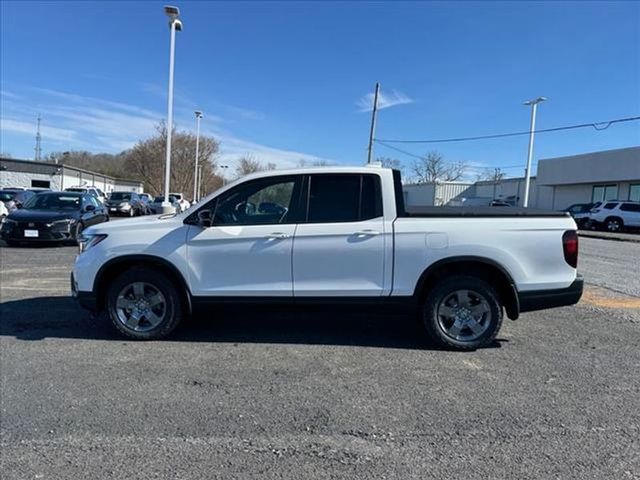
(462, 312)
(143, 304)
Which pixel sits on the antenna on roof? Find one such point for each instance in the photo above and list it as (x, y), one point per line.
(38, 148)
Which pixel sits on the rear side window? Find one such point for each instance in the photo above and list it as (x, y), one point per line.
(630, 207)
(340, 198)
(611, 206)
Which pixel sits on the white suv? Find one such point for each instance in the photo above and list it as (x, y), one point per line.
(616, 215)
(94, 191)
(184, 204)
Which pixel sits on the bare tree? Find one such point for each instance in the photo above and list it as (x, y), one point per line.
(433, 168)
(494, 175)
(388, 162)
(248, 164)
(303, 162)
(146, 161)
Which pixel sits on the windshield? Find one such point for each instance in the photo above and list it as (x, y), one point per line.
(120, 196)
(161, 199)
(7, 196)
(58, 201)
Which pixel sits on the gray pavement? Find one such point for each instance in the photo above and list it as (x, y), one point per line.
(611, 264)
(317, 393)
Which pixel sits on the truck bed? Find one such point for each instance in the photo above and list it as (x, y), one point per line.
(479, 212)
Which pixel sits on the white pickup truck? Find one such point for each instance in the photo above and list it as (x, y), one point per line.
(330, 235)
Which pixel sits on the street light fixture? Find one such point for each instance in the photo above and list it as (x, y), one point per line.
(527, 180)
(174, 25)
(195, 173)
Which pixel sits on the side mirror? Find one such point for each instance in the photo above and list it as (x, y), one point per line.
(89, 208)
(205, 218)
(18, 205)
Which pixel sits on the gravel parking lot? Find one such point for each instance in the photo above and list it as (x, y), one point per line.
(318, 393)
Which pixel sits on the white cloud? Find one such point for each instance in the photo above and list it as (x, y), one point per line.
(232, 148)
(99, 125)
(29, 128)
(385, 100)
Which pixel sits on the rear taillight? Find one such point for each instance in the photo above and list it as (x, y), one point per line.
(570, 247)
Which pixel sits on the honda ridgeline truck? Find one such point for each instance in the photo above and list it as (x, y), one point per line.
(330, 235)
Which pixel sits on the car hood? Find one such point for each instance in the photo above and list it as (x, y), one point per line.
(22, 215)
(147, 222)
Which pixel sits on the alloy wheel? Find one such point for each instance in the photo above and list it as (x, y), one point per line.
(464, 315)
(140, 306)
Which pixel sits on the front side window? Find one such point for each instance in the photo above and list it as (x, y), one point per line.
(260, 202)
(611, 206)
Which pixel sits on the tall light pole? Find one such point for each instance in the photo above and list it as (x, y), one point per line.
(374, 112)
(527, 177)
(224, 177)
(175, 25)
(195, 173)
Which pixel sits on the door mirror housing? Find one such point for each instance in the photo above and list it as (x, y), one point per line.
(205, 218)
(89, 208)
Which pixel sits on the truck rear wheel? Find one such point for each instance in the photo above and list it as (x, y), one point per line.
(462, 312)
(143, 304)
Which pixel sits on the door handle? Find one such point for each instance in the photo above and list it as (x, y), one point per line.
(367, 232)
(277, 236)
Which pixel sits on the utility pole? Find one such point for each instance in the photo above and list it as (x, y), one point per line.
(527, 178)
(373, 121)
(38, 148)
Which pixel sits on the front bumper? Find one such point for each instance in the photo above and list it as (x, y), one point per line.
(118, 209)
(86, 300)
(543, 299)
(16, 233)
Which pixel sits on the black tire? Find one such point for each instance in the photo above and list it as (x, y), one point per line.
(152, 279)
(583, 223)
(613, 224)
(445, 291)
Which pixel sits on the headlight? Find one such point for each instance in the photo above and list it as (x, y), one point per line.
(64, 221)
(9, 221)
(124, 205)
(86, 241)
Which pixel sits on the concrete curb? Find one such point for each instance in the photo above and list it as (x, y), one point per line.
(619, 237)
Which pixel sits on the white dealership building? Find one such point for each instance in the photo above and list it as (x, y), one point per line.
(29, 174)
(559, 183)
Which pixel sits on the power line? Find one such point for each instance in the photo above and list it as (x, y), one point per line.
(503, 167)
(599, 126)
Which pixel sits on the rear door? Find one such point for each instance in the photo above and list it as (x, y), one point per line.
(630, 214)
(339, 246)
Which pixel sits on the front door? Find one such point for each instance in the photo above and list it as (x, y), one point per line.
(247, 251)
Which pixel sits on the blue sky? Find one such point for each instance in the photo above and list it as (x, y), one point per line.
(285, 80)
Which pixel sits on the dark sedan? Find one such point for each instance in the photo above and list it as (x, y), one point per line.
(125, 203)
(52, 217)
